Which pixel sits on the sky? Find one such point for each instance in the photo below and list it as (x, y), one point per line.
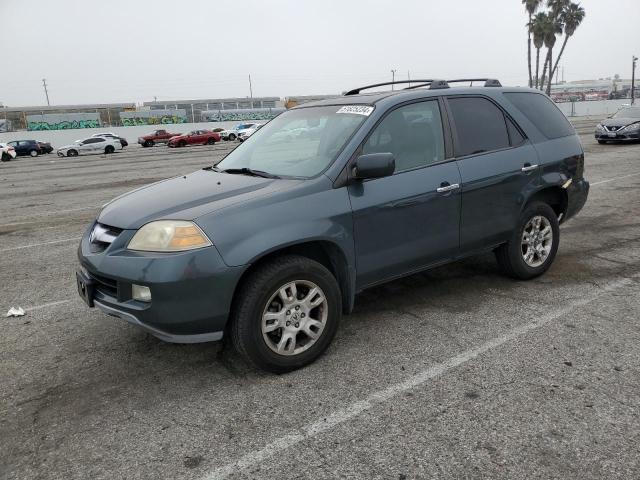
(94, 51)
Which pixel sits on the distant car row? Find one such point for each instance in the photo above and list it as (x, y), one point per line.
(110, 142)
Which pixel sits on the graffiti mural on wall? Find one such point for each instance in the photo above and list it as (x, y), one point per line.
(241, 115)
(62, 121)
(153, 117)
(164, 120)
(64, 125)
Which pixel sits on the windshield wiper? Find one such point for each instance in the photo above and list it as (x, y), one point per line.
(249, 171)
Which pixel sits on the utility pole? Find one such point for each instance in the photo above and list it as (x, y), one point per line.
(250, 88)
(44, 84)
(633, 79)
(393, 78)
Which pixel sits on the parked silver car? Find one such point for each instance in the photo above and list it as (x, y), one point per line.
(90, 145)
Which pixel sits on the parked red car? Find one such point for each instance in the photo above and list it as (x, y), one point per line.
(159, 136)
(197, 137)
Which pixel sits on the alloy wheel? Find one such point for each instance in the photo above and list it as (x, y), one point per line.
(537, 240)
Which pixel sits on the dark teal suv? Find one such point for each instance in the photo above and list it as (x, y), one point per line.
(269, 247)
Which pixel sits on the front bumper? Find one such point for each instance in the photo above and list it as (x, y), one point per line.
(620, 136)
(191, 292)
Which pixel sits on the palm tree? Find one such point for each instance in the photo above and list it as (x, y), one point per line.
(571, 16)
(530, 6)
(552, 28)
(537, 29)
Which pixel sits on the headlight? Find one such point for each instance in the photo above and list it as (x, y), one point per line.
(633, 128)
(169, 236)
(599, 128)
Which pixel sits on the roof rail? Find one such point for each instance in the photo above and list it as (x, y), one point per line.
(432, 84)
(356, 91)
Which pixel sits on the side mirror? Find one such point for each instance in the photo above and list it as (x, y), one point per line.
(374, 165)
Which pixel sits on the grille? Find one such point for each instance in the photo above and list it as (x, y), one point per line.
(102, 236)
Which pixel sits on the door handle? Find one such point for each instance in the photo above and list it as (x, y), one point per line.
(529, 168)
(447, 188)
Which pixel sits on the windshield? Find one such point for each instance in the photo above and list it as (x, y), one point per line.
(631, 112)
(297, 143)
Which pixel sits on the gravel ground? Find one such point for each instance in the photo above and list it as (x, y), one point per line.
(458, 372)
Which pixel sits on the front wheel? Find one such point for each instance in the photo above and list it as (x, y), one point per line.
(602, 142)
(533, 244)
(72, 153)
(286, 314)
(211, 141)
(232, 136)
(5, 157)
(148, 143)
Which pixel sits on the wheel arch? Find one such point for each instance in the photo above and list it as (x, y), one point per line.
(325, 252)
(555, 196)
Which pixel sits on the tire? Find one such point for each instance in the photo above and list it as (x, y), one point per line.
(602, 142)
(72, 153)
(211, 141)
(182, 143)
(541, 252)
(148, 143)
(232, 136)
(109, 149)
(261, 291)
(33, 153)
(5, 157)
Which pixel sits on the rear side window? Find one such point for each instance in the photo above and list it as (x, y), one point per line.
(514, 134)
(540, 110)
(480, 125)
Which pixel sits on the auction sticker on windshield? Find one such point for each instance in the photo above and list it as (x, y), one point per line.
(357, 110)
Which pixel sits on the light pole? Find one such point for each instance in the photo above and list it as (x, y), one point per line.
(633, 79)
(393, 78)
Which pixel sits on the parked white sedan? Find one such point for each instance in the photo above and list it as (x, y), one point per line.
(7, 152)
(90, 145)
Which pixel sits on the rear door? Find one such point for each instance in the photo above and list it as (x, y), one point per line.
(497, 166)
(410, 219)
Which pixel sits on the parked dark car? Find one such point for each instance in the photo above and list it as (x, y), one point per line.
(271, 245)
(45, 147)
(623, 126)
(26, 147)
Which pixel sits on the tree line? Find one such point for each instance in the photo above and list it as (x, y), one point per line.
(562, 18)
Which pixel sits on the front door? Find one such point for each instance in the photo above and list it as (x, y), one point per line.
(409, 220)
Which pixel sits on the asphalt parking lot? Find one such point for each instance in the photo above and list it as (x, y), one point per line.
(458, 372)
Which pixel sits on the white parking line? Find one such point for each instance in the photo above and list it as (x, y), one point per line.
(355, 409)
(75, 239)
(46, 305)
(614, 179)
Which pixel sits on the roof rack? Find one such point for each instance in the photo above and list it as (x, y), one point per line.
(432, 84)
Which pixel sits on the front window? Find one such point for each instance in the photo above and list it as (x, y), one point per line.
(298, 143)
(631, 112)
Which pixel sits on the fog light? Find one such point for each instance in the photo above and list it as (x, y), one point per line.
(139, 292)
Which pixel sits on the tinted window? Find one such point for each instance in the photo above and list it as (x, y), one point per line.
(98, 140)
(90, 140)
(514, 134)
(480, 125)
(541, 111)
(413, 134)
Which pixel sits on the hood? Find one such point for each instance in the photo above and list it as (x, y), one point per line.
(619, 122)
(186, 197)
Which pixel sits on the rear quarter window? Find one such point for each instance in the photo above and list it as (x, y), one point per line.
(542, 112)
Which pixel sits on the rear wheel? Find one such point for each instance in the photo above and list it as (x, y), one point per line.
(232, 136)
(33, 153)
(72, 153)
(109, 149)
(533, 244)
(211, 141)
(5, 157)
(149, 143)
(286, 314)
